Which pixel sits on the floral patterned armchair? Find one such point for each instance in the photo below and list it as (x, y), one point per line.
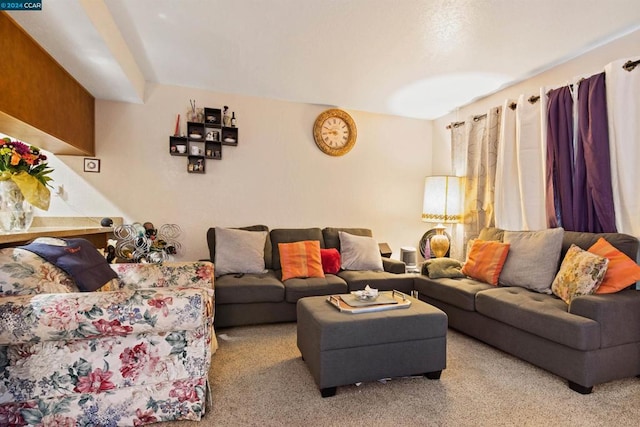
(135, 352)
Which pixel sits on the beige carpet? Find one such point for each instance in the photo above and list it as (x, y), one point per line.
(259, 379)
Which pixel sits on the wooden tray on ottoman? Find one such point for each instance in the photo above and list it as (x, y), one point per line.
(389, 300)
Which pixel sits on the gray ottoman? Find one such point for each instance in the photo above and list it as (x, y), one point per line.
(344, 348)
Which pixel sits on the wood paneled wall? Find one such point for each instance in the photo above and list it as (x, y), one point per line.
(40, 103)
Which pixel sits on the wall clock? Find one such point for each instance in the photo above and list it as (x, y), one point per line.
(335, 132)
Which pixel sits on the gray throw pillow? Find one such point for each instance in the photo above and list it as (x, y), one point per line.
(533, 258)
(444, 268)
(359, 252)
(239, 251)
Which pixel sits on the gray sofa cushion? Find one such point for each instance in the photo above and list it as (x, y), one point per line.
(249, 288)
(332, 238)
(533, 257)
(543, 315)
(211, 242)
(460, 293)
(491, 233)
(380, 280)
(313, 286)
(623, 242)
(289, 235)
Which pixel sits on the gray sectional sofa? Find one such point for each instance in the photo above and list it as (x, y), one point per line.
(244, 299)
(594, 339)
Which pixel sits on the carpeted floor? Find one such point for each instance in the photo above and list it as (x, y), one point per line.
(259, 379)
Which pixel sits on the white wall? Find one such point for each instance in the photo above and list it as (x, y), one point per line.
(585, 65)
(275, 176)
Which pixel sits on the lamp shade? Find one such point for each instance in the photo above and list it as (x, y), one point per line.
(442, 201)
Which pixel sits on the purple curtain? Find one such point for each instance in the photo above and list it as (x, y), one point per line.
(592, 191)
(579, 194)
(560, 158)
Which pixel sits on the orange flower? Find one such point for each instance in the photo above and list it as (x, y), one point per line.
(29, 159)
(15, 159)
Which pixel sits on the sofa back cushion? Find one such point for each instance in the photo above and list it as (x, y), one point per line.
(211, 242)
(332, 238)
(491, 233)
(623, 242)
(290, 235)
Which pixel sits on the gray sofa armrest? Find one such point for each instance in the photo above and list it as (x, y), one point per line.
(618, 315)
(393, 265)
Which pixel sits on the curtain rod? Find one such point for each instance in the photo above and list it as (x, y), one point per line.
(457, 124)
(532, 100)
(630, 65)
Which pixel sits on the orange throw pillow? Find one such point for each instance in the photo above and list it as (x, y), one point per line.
(485, 261)
(622, 271)
(300, 259)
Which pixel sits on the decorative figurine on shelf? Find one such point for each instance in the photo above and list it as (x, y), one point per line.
(192, 115)
(144, 243)
(226, 120)
(233, 119)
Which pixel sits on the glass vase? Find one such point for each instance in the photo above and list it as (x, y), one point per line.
(16, 214)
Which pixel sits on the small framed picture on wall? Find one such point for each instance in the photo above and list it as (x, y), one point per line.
(92, 165)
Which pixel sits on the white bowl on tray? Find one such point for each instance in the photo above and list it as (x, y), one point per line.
(367, 294)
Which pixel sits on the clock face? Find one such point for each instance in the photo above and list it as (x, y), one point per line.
(335, 132)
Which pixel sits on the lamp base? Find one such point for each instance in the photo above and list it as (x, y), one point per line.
(439, 245)
(425, 246)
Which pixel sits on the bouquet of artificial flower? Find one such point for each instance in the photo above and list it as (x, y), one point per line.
(27, 167)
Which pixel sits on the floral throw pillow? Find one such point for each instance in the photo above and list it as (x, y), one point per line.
(581, 273)
(25, 273)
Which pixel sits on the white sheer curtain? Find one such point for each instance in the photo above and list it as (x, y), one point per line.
(520, 176)
(474, 153)
(623, 109)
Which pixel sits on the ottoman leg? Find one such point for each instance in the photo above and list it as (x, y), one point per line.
(435, 375)
(328, 392)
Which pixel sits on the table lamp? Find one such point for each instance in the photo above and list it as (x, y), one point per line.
(442, 205)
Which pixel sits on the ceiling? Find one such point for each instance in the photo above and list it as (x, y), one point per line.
(411, 58)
